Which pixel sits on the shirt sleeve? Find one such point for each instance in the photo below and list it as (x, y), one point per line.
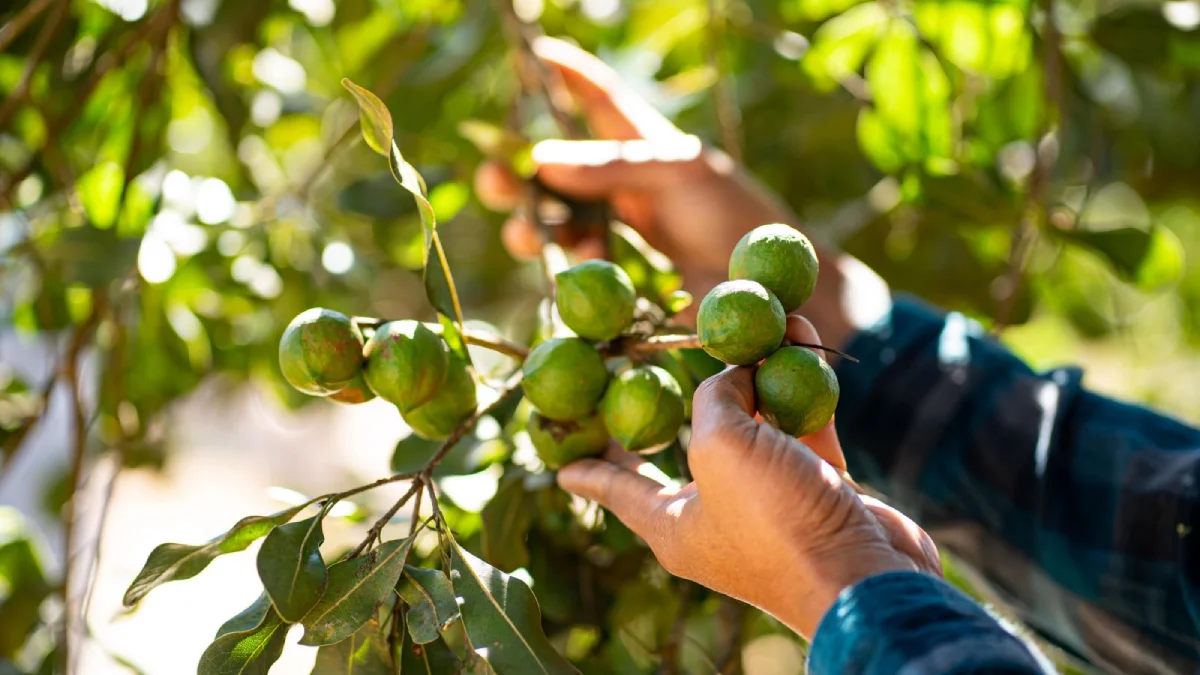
(906, 623)
(1078, 510)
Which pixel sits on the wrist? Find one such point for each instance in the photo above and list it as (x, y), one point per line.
(808, 600)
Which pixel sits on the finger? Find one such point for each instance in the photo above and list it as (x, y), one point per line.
(521, 238)
(827, 445)
(596, 169)
(589, 249)
(801, 330)
(635, 499)
(825, 442)
(497, 187)
(906, 536)
(631, 462)
(612, 110)
(723, 408)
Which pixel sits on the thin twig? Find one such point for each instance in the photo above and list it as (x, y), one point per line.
(78, 449)
(13, 445)
(729, 116)
(373, 533)
(20, 22)
(732, 615)
(670, 651)
(510, 389)
(424, 478)
(537, 77)
(478, 338)
(17, 96)
(1036, 206)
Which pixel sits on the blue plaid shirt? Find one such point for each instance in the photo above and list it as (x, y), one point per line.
(1077, 510)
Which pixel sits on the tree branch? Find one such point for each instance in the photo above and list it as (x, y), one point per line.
(729, 116)
(373, 533)
(17, 96)
(20, 22)
(670, 652)
(478, 338)
(1036, 207)
(78, 450)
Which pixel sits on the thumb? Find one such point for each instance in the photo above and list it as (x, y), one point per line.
(596, 169)
(723, 412)
(638, 501)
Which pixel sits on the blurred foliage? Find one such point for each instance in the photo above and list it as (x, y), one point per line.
(179, 178)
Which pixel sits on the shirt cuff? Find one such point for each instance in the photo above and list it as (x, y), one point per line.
(908, 622)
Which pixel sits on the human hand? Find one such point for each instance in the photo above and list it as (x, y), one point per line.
(691, 202)
(768, 519)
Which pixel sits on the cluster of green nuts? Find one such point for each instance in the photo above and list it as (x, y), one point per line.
(323, 353)
(579, 401)
(579, 397)
(583, 394)
(772, 271)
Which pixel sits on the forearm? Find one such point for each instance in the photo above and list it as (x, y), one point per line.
(1076, 507)
(904, 622)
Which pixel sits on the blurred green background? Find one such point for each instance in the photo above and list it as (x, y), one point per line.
(179, 178)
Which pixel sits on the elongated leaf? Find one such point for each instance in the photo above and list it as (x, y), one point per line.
(248, 652)
(355, 589)
(1149, 259)
(248, 619)
(501, 614)
(174, 562)
(376, 121)
(506, 522)
(364, 653)
(24, 587)
(431, 602)
(434, 658)
(291, 568)
(439, 282)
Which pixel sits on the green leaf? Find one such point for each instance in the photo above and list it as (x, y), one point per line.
(248, 619)
(470, 455)
(291, 568)
(653, 274)
(175, 562)
(434, 658)
(677, 301)
(439, 282)
(987, 37)
(431, 602)
(1150, 259)
(246, 653)
(374, 117)
(89, 256)
(814, 10)
(506, 522)
(22, 583)
(501, 614)
(911, 94)
(355, 589)
(841, 45)
(363, 653)
(99, 190)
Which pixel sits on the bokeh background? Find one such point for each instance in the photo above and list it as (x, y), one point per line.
(178, 178)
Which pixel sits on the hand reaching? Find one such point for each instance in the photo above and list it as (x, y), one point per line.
(768, 519)
(689, 201)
